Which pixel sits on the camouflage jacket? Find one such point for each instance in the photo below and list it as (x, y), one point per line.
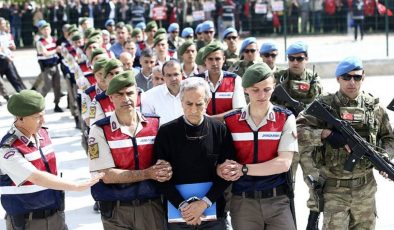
(231, 58)
(240, 67)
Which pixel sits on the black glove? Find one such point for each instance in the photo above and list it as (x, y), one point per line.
(336, 140)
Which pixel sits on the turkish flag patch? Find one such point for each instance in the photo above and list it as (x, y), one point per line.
(347, 116)
(303, 87)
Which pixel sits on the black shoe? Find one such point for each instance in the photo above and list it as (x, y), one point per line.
(77, 122)
(58, 109)
(96, 207)
(313, 221)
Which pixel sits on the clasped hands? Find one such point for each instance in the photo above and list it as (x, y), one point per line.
(161, 171)
(192, 213)
(229, 170)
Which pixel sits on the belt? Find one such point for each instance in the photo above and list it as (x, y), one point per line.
(349, 183)
(137, 202)
(41, 214)
(263, 194)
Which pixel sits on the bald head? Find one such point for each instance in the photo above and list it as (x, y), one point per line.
(127, 59)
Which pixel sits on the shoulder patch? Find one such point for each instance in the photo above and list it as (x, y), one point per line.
(92, 110)
(101, 96)
(90, 89)
(232, 113)
(102, 122)
(9, 154)
(229, 74)
(283, 110)
(8, 140)
(93, 151)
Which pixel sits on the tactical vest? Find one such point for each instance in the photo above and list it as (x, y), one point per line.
(51, 60)
(91, 92)
(88, 73)
(106, 105)
(29, 197)
(222, 98)
(304, 89)
(253, 147)
(363, 119)
(129, 153)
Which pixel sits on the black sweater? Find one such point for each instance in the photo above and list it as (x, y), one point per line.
(194, 161)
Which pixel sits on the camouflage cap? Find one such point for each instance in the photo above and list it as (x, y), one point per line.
(26, 103)
(121, 81)
(256, 73)
(100, 64)
(151, 25)
(111, 64)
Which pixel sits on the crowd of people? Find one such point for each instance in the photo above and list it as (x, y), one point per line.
(258, 17)
(171, 117)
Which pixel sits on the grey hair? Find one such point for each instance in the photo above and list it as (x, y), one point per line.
(194, 83)
(157, 69)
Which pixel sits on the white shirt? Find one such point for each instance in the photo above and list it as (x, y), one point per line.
(160, 101)
(239, 100)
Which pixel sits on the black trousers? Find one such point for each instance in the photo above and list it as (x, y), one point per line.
(8, 69)
(218, 224)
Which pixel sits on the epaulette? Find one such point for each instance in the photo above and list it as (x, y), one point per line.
(90, 89)
(229, 74)
(101, 96)
(282, 110)
(237, 111)
(102, 122)
(8, 139)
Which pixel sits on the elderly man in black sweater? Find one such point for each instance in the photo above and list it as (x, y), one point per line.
(193, 144)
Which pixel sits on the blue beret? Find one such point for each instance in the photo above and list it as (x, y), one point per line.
(141, 25)
(348, 64)
(173, 27)
(198, 28)
(228, 31)
(268, 47)
(188, 31)
(40, 23)
(247, 42)
(297, 47)
(109, 22)
(206, 26)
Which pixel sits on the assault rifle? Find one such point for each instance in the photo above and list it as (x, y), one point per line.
(283, 98)
(391, 105)
(360, 148)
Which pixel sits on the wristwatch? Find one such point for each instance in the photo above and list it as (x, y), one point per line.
(244, 169)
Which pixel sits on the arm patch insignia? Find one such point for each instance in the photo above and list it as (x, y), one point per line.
(93, 151)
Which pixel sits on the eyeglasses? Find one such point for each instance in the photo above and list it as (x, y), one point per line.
(231, 38)
(348, 77)
(208, 32)
(267, 55)
(299, 59)
(249, 50)
(196, 138)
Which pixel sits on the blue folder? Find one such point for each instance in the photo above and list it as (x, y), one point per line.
(189, 190)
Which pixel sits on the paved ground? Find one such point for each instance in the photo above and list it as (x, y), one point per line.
(73, 163)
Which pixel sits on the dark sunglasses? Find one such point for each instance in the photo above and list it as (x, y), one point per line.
(348, 77)
(267, 55)
(231, 37)
(208, 32)
(249, 50)
(299, 59)
(175, 32)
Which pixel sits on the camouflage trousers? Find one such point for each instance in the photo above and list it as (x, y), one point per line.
(350, 208)
(304, 158)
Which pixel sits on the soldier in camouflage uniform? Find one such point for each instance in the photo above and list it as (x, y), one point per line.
(349, 196)
(230, 36)
(268, 53)
(303, 85)
(248, 55)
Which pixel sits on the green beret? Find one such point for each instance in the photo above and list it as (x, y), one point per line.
(129, 28)
(95, 33)
(120, 25)
(76, 37)
(99, 64)
(82, 20)
(72, 30)
(159, 38)
(121, 81)
(96, 52)
(111, 64)
(72, 27)
(91, 41)
(26, 103)
(199, 59)
(88, 32)
(212, 47)
(160, 31)
(151, 25)
(184, 46)
(256, 73)
(135, 32)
